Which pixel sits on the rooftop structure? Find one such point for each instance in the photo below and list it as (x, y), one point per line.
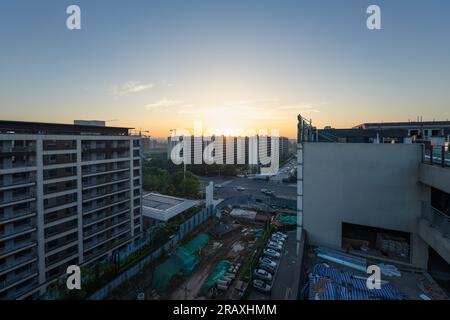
(22, 127)
(388, 132)
(162, 207)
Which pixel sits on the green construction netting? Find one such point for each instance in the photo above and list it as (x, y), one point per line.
(183, 260)
(218, 272)
(288, 219)
(259, 232)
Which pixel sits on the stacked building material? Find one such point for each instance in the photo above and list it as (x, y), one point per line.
(327, 283)
(392, 245)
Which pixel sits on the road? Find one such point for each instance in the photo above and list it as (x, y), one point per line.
(284, 277)
(253, 187)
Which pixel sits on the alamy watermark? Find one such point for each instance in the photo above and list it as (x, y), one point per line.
(74, 278)
(73, 21)
(374, 280)
(247, 147)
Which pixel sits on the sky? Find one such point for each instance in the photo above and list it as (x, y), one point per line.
(231, 64)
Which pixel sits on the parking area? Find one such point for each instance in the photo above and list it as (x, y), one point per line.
(288, 265)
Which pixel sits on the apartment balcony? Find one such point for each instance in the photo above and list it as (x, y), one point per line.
(437, 155)
(16, 215)
(18, 278)
(105, 203)
(104, 170)
(61, 256)
(105, 247)
(104, 226)
(434, 229)
(16, 183)
(104, 215)
(97, 155)
(104, 180)
(11, 200)
(60, 145)
(438, 220)
(13, 150)
(6, 165)
(90, 196)
(13, 264)
(106, 236)
(15, 247)
(7, 233)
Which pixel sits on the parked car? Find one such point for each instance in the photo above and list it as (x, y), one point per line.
(268, 265)
(276, 242)
(269, 261)
(218, 186)
(261, 286)
(276, 238)
(271, 253)
(280, 234)
(263, 275)
(263, 190)
(275, 247)
(270, 193)
(239, 188)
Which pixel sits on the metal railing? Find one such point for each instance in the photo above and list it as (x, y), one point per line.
(437, 155)
(437, 219)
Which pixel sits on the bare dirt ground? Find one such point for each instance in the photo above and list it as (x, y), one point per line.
(231, 247)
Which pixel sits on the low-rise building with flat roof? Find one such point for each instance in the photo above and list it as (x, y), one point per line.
(159, 208)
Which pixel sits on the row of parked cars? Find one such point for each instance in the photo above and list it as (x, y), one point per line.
(264, 274)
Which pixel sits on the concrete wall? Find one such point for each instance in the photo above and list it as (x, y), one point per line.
(368, 184)
(435, 176)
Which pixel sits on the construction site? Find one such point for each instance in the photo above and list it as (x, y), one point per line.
(214, 262)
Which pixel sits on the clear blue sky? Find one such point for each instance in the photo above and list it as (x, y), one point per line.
(158, 65)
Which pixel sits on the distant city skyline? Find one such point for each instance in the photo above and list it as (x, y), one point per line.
(234, 65)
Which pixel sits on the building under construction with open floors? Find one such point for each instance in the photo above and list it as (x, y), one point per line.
(69, 195)
(390, 201)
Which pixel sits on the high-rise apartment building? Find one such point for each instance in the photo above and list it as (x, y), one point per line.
(69, 194)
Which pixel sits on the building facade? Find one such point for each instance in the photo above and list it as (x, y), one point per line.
(375, 199)
(69, 195)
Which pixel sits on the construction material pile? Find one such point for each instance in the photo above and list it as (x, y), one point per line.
(327, 283)
(392, 245)
(222, 276)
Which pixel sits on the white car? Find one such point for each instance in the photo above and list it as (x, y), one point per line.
(275, 247)
(268, 265)
(261, 286)
(276, 238)
(263, 275)
(218, 186)
(271, 253)
(240, 188)
(280, 234)
(275, 243)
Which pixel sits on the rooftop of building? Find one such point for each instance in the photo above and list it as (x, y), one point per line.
(163, 207)
(402, 124)
(24, 127)
(338, 275)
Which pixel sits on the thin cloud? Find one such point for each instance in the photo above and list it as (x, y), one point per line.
(130, 87)
(304, 108)
(165, 103)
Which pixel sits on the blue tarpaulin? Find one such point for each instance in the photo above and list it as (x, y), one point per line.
(326, 283)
